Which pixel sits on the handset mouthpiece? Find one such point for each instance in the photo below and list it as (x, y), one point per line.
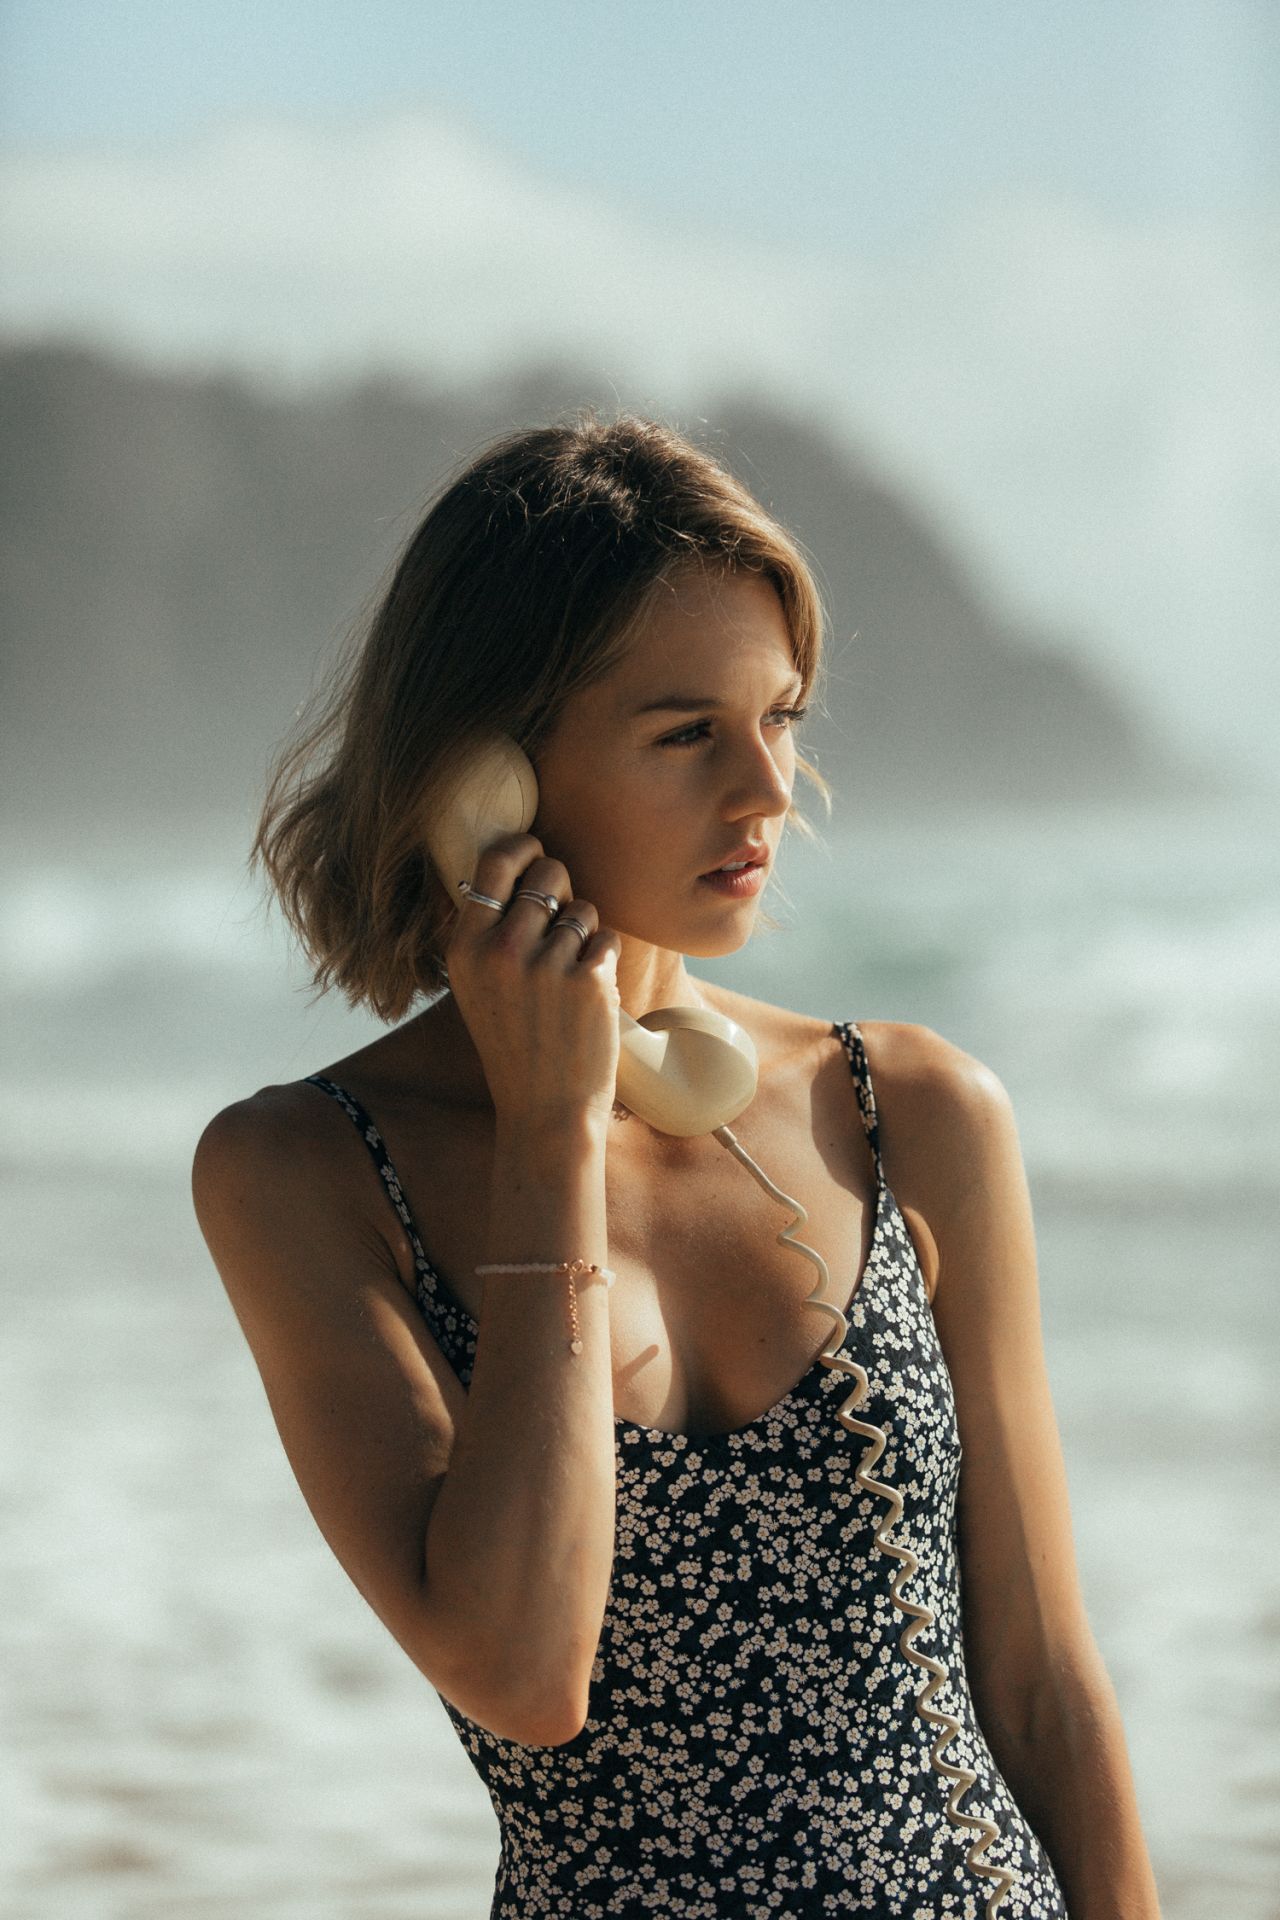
(686, 1070)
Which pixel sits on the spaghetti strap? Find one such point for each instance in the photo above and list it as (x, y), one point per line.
(855, 1047)
(381, 1159)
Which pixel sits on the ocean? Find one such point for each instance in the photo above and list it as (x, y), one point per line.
(203, 1717)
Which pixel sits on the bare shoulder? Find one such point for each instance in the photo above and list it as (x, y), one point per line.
(947, 1131)
(936, 1103)
(279, 1130)
(278, 1165)
(914, 1065)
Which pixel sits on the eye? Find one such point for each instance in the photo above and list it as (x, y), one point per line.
(690, 736)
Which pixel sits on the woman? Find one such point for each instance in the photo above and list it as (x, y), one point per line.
(722, 1636)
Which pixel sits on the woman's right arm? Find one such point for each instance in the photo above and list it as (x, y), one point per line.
(520, 1546)
(478, 1524)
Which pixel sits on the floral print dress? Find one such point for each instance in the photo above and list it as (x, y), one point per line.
(761, 1742)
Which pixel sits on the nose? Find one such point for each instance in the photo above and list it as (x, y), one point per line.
(761, 787)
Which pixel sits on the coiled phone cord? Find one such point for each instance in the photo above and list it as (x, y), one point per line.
(918, 1617)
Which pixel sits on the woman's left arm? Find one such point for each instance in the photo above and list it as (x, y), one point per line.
(1043, 1697)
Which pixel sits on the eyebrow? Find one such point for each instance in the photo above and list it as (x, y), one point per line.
(695, 702)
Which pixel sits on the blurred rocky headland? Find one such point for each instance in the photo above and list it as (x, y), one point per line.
(179, 557)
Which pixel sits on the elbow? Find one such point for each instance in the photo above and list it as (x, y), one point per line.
(525, 1709)
(547, 1723)
(550, 1717)
(555, 1729)
(1047, 1712)
(499, 1674)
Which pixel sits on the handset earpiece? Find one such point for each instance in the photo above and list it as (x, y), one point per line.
(494, 793)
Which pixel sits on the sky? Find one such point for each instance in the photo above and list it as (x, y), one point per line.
(1023, 256)
(801, 121)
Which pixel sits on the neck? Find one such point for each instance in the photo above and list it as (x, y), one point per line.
(650, 977)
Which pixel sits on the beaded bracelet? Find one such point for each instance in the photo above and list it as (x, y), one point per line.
(573, 1268)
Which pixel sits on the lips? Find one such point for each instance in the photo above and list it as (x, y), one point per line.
(754, 856)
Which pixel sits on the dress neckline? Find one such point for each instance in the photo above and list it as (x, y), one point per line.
(809, 1381)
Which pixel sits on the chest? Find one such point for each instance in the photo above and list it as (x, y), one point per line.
(708, 1322)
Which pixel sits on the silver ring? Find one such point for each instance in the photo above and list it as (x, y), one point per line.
(481, 899)
(547, 900)
(574, 925)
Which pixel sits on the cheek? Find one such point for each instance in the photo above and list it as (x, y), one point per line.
(618, 830)
(595, 794)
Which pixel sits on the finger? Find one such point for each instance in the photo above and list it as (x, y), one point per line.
(602, 952)
(497, 866)
(538, 894)
(574, 915)
(497, 874)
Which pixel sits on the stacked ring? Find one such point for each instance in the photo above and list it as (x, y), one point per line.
(481, 899)
(547, 900)
(574, 925)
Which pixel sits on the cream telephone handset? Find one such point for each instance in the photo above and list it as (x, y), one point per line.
(684, 1070)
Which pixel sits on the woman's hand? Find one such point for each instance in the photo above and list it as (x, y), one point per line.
(540, 1005)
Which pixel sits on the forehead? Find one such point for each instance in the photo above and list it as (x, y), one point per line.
(701, 622)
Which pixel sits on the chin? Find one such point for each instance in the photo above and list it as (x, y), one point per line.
(717, 946)
(709, 943)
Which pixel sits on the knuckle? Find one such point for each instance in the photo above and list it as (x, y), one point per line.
(509, 847)
(504, 945)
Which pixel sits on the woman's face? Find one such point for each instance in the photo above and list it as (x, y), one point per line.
(639, 804)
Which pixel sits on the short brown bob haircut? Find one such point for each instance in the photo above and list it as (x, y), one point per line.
(520, 587)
